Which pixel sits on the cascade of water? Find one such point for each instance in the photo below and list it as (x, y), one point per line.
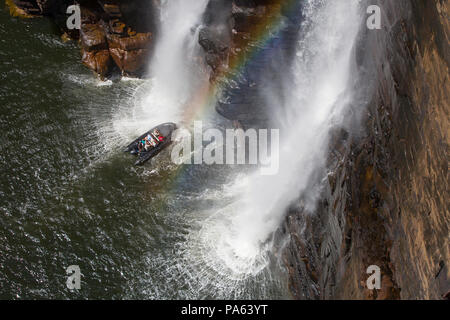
(173, 68)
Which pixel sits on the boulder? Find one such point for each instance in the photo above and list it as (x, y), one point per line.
(131, 52)
(93, 37)
(94, 48)
(99, 61)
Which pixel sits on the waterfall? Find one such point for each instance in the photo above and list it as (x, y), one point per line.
(174, 69)
(315, 97)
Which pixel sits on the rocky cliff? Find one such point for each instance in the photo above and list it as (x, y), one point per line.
(115, 36)
(385, 201)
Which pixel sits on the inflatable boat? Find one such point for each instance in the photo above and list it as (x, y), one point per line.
(166, 130)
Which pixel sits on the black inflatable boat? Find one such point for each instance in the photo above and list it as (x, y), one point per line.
(165, 129)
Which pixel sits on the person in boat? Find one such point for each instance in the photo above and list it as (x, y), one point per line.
(159, 137)
(141, 145)
(147, 145)
(152, 139)
(150, 142)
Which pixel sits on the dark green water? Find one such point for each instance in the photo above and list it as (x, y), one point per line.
(68, 196)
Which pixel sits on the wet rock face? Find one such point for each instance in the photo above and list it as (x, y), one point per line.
(109, 42)
(95, 52)
(115, 36)
(123, 31)
(385, 201)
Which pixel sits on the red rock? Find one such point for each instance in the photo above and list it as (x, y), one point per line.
(93, 37)
(131, 62)
(98, 61)
(130, 53)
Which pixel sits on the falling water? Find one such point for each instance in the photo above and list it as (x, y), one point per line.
(174, 69)
(227, 249)
(239, 234)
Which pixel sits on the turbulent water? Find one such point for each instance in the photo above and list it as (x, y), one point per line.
(70, 197)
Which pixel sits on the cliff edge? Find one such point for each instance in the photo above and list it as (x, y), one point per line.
(385, 202)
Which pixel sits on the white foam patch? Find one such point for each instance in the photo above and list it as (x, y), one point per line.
(103, 83)
(131, 79)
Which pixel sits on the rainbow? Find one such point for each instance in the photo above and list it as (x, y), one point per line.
(264, 34)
